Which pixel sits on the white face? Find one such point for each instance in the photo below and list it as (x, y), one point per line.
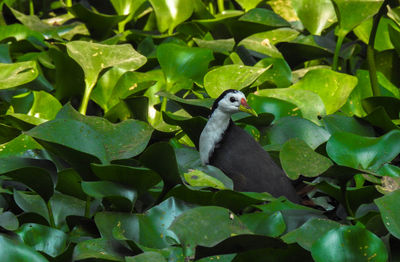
(231, 102)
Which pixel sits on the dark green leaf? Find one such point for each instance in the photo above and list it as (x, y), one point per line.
(340, 123)
(149, 256)
(10, 250)
(389, 212)
(271, 225)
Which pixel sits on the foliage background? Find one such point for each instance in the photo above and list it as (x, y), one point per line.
(102, 104)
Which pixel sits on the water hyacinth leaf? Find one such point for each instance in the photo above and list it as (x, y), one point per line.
(310, 104)
(223, 46)
(99, 248)
(149, 256)
(45, 106)
(195, 107)
(334, 88)
(378, 117)
(121, 196)
(198, 178)
(382, 40)
(280, 75)
(296, 127)
(206, 226)
(248, 4)
(69, 183)
(18, 146)
(169, 14)
(278, 108)
(178, 61)
(93, 58)
(95, 135)
(48, 240)
(389, 212)
(349, 243)
(22, 32)
(271, 225)
(9, 221)
(16, 74)
(11, 250)
(352, 13)
(315, 15)
(297, 158)
(264, 42)
(390, 104)
(218, 80)
(340, 123)
(310, 232)
(363, 152)
(31, 203)
(99, 25)
(262, 16)
(34, 173)
(138, 178)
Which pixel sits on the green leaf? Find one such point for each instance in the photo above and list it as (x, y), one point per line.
(351, 13)
(316, 15)
(18, 146)
(93, 58)
(149, 256)
(297, 158)
(94, 135)
(334, 88)
(31, 203)
(138, 178)
(309, 232)
(199, 178)
(249, 4)
(206, 226)
(382, 40)
(310, 104)
(363, 152)
(223, 46)
(11, 250)
(339, 123)
(48, 240)
(218, 80)
(390, 104)
(34, 173)
(45, 106)
(69, 182)
(296, 127)
(121, 196)
(271, 225)
(178, 61)
(99, 249)
(169, 14)
(9, 221)
(349, 243)
(280, 75)
(22, 32)
(389, 212)
(16, 74)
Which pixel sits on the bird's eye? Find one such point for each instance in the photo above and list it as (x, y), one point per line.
(232, 99)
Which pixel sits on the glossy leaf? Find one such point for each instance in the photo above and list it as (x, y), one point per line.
(382, 40)
(389, 212)
(333, 88)
(169, 14)
(315, 15)
(98, 248)
(19, 146)
(198, 178)
(352, 13)
(44, 106)
(179, 62)
(11, 250)
(261, 15)
(218, 80)
(309, 232)
(146, 257)
(363, 152)
(12, 75)
(349, 243)
(271, 225)
(297, 158)
(94, 135)
(48, 240)
(310, 104)
(340, 123)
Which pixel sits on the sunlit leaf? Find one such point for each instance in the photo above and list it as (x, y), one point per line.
(12, 75)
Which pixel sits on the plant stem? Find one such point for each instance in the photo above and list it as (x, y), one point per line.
(68, 3)
(87, 206)
(51, 217)
(339, 43)
(346, 204)
(31, 8)
(371, 52)
(221, 7)
(85, 99)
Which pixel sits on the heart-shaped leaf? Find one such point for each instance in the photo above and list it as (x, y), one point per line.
(218, 80)
(297, 158)
(349, 243)
(389, 212)
(363, 152)
(12, 75)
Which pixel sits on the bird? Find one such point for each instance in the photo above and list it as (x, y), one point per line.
(228, 147)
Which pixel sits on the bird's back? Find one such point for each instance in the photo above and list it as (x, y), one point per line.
(249, 166)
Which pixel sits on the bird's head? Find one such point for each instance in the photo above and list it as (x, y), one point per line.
(232, 101)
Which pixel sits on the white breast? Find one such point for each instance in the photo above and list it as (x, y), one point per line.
(212, 134)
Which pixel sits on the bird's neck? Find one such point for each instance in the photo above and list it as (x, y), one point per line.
(212, 133)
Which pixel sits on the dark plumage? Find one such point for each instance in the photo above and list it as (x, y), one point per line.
(238, 155)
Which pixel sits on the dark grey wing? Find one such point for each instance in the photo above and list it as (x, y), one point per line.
(250, 167)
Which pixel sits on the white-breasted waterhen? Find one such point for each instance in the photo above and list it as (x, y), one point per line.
(228, 147)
